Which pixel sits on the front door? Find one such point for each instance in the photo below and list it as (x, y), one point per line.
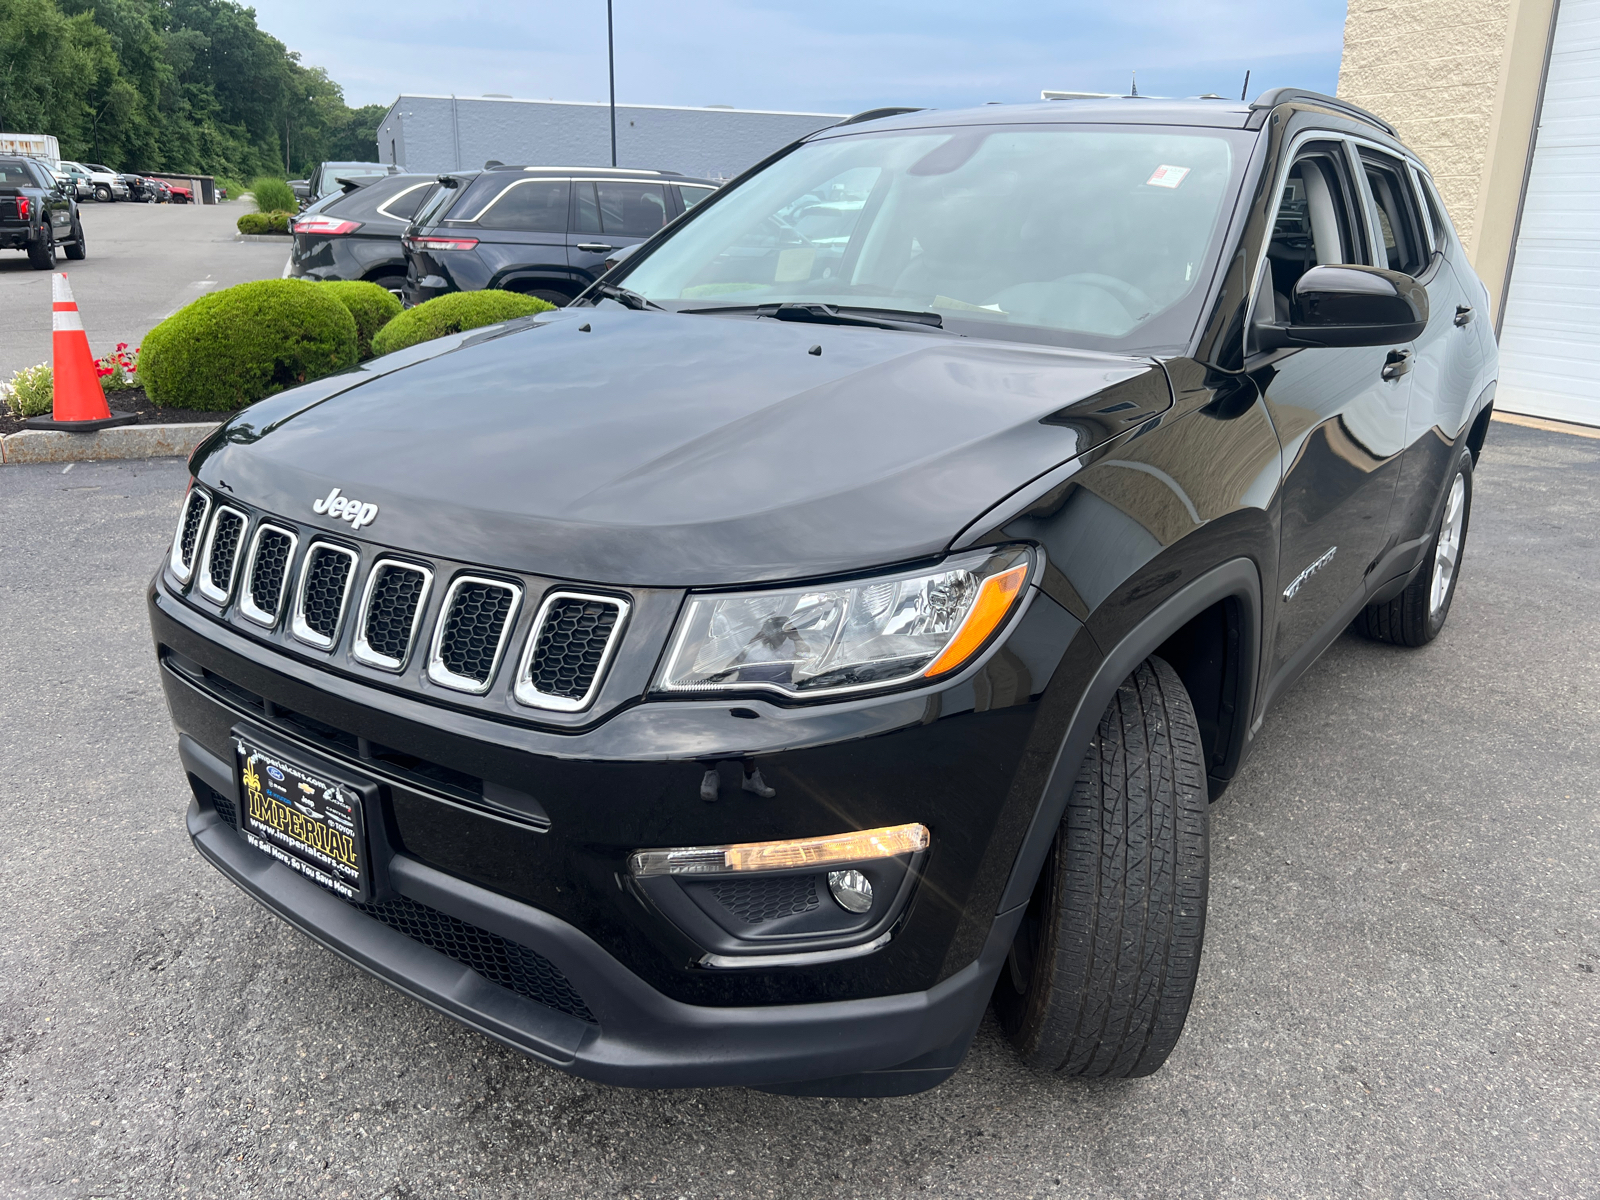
(1340, 415)
(608, 214)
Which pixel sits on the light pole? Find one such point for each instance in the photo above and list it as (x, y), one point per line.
(611, 67)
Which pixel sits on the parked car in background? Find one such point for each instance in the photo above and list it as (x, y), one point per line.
(82, 185)
(181, 193)
(109, 186)
(356, 234)
(38, 213)
(543, 231)
(140, 189)
(326, 177)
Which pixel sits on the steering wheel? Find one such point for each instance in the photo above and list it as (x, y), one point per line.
(1136, 302)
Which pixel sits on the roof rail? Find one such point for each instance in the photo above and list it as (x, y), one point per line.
(873, 114)
(1270, 99)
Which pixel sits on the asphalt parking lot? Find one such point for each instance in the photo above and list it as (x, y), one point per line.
(145, 262)
(1400, 995)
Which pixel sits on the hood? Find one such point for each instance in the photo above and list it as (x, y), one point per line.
(672, 450)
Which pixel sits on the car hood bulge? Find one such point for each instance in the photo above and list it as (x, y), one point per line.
(655, 449)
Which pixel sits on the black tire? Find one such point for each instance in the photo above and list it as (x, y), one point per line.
(392, 284)
(42, 253)
(1100, 977)
(103, 194)
(559, 299)
(78, 248)
(1411, 618)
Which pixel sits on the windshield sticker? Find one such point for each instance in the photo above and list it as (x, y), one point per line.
(1167, 177)
(794, 266)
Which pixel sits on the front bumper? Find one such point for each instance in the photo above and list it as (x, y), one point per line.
(635, 1036)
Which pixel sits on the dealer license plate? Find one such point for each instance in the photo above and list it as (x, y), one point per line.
(304, 819)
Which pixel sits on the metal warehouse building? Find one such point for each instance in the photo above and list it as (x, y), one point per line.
(453, 133)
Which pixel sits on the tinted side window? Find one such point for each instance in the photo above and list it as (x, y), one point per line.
(691, 195)
(398, 200)
(620, 209)
(1437, 216)
(529, 206)
(1317, 221)
(1403, 247)
(403, 205)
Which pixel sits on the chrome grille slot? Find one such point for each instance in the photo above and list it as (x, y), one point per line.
(319, 605)
(573, 638)
(471, 634)
(393, 603)
(220, 558)
(266, 574)
(191, 520)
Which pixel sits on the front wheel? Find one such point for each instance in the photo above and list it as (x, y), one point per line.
(1416, 615)
(1099, 979)
(103, 194)
(79, 248)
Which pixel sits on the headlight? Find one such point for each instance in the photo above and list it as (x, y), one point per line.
(847, 637)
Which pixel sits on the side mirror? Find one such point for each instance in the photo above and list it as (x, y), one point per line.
(301, 188)
(1348, 306)
(617, 256)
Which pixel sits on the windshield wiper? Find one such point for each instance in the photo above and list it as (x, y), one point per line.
(624, 297)
(834, 314)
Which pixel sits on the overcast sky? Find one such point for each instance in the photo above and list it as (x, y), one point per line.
(811, 55)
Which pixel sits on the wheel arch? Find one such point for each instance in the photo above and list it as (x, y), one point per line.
(1228, 597)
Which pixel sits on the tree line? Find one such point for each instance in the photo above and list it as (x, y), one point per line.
(172, 85)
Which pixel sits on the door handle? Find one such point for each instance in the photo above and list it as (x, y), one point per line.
(1396, 364)
(1463, 313)
(595, 247)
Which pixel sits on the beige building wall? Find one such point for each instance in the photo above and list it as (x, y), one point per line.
(1459, 80)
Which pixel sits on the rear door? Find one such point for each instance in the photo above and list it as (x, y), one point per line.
(520, 222)
(608, 214)
(1340, 414)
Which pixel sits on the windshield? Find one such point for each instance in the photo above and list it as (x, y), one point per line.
(1067, 234)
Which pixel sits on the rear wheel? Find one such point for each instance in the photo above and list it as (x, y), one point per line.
(1099, 980)
(42, 253)
(548, 295)
(391, 284)
(79, 248)
(1416, 615)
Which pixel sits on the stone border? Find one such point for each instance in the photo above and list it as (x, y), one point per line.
(123, 441)
(281, 239)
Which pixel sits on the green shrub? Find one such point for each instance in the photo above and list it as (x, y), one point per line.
(454, 313)
(245, 343)
(29, 393)
(279, 222)
(256, 222)
(273, 195)
(373, 307)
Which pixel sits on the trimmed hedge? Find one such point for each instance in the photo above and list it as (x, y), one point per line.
(265, 222)
(246, 343)
(454, 313)
(273, 195)
(373, 307)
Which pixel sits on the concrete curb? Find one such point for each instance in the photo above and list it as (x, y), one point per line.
(281, 239)
(124, 441)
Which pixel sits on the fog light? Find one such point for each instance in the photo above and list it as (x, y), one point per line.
(889, 842)
(851, 889)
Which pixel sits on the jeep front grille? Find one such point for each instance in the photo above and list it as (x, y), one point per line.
(266, 574)
(467, 645)
(395, 599)
(220, 557)
(567, 652)
(191, 520)
(325, 581)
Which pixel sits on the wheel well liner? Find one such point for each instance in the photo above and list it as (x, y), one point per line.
(1234, 587)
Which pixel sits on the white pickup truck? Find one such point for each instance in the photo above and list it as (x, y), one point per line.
(108, 185)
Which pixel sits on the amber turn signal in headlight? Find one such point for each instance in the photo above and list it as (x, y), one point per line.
(888, 842)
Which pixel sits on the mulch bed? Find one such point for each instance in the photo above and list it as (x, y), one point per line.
(132, 401)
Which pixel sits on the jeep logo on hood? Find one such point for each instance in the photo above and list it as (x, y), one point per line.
(346, 509)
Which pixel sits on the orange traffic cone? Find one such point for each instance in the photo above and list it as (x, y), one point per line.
(79, 402)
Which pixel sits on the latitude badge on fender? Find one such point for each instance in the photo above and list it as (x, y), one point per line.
(357, 512)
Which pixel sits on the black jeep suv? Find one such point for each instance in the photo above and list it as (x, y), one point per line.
(38, 213)
(841, 616)
(544, 231)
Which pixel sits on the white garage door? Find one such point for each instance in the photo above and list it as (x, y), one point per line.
(1550, 340)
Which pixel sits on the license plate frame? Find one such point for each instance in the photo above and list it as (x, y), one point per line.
(304, 811)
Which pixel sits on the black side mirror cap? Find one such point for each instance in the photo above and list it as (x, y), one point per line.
(1349, 306)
